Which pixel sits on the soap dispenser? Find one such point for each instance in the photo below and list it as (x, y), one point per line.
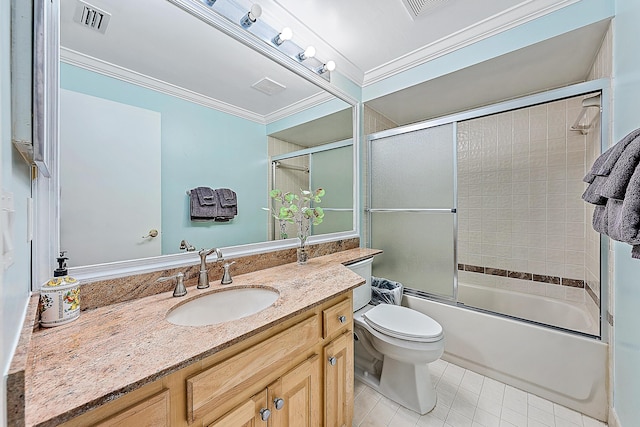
(59, 297)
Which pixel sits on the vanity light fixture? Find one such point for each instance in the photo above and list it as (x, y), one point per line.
(285, 34)
(328, 66)
(309, 52)
(252, 16)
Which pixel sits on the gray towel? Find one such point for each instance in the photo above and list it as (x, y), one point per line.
(623, 216)
(227, 204)
(599, 221)
(203, 203)
(635, 252)
(597, 165)
(615, 152)
(616, 183)
(592, 193)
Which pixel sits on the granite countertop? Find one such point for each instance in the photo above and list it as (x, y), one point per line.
(112, 350)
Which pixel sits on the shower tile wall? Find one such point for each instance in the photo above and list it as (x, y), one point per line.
(519, 186)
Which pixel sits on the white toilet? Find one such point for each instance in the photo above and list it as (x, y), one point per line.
(393, 346)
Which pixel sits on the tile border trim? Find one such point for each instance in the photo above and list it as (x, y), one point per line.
(553, 280)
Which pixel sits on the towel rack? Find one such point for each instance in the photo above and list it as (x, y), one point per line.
(590, 102)
(286, 166)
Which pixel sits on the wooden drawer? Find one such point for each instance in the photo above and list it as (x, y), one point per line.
(151, 412)
(231, 377)
(337, 318)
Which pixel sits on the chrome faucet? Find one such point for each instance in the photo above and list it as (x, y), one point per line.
(203, 277)
(187, 246)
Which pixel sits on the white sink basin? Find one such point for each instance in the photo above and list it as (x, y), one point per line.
(222, 306)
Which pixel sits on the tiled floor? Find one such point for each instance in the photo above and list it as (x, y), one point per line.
(466, 399)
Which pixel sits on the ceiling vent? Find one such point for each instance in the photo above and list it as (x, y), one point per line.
(91, 17)
(419, 7)
(268, 86)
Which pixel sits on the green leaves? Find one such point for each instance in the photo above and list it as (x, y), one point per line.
(297, 210)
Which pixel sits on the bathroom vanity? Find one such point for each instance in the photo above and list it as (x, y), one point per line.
(125, 364)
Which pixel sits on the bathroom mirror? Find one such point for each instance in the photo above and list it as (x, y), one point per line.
(182, 117)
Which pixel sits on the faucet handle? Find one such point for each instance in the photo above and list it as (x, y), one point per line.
(226, 275)
(180, 289)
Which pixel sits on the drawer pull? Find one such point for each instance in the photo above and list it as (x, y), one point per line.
(265, 414)
(278, 403)
(332, 361)
(342, 319)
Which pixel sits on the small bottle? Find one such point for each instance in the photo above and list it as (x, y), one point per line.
(59, 297)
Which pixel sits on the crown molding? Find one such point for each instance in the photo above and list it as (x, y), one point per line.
(111, 70)
(498, 23)
(309, 102)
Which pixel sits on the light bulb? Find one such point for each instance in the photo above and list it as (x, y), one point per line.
(251, 16)
(285, 34)
(309, 52)
(328, 66)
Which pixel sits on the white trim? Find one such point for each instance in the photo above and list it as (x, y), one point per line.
(108, 69)
(297, 107)
(498, 23)
(99, 66)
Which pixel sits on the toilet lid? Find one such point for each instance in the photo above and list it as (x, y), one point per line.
(403, 323)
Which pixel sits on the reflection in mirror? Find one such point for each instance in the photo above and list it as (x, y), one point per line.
(314, 154)
(140, 126)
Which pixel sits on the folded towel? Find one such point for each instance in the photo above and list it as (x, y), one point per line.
(599, 221)
(202, 206)
(623, 216)
(615, 152)
(206, 196)
(616, 183)
(228, 204)
(597, 165)
(592, 193)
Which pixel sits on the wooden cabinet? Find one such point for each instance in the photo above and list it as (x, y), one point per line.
(298, 373)
(338, 381)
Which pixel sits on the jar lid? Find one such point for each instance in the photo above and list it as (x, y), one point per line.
(58, 282)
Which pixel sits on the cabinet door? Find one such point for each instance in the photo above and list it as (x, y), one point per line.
(152, 412)
(338, 381)
(249, 414)
(295, 397)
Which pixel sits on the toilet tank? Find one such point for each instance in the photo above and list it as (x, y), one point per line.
(362, 294)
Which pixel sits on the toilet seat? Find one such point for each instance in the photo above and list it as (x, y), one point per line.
(403, 323)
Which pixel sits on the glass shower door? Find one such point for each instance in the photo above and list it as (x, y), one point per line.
(411, 209)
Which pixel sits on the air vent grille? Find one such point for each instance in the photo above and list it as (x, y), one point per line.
(268, 86)
(418, 7)
(91, 17)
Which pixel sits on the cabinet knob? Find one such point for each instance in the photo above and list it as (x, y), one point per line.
(278, 403)
(265, 414)
(333, 361)
(342, 319)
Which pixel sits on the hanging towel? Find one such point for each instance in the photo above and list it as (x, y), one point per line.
(227, 204)
(614, 187)
(203, 203)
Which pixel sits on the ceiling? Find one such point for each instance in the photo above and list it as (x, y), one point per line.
(368, 39)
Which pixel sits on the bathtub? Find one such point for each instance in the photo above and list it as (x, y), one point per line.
(565, 368)
(563, 314)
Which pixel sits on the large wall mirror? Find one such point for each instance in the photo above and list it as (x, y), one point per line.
(165, 98)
